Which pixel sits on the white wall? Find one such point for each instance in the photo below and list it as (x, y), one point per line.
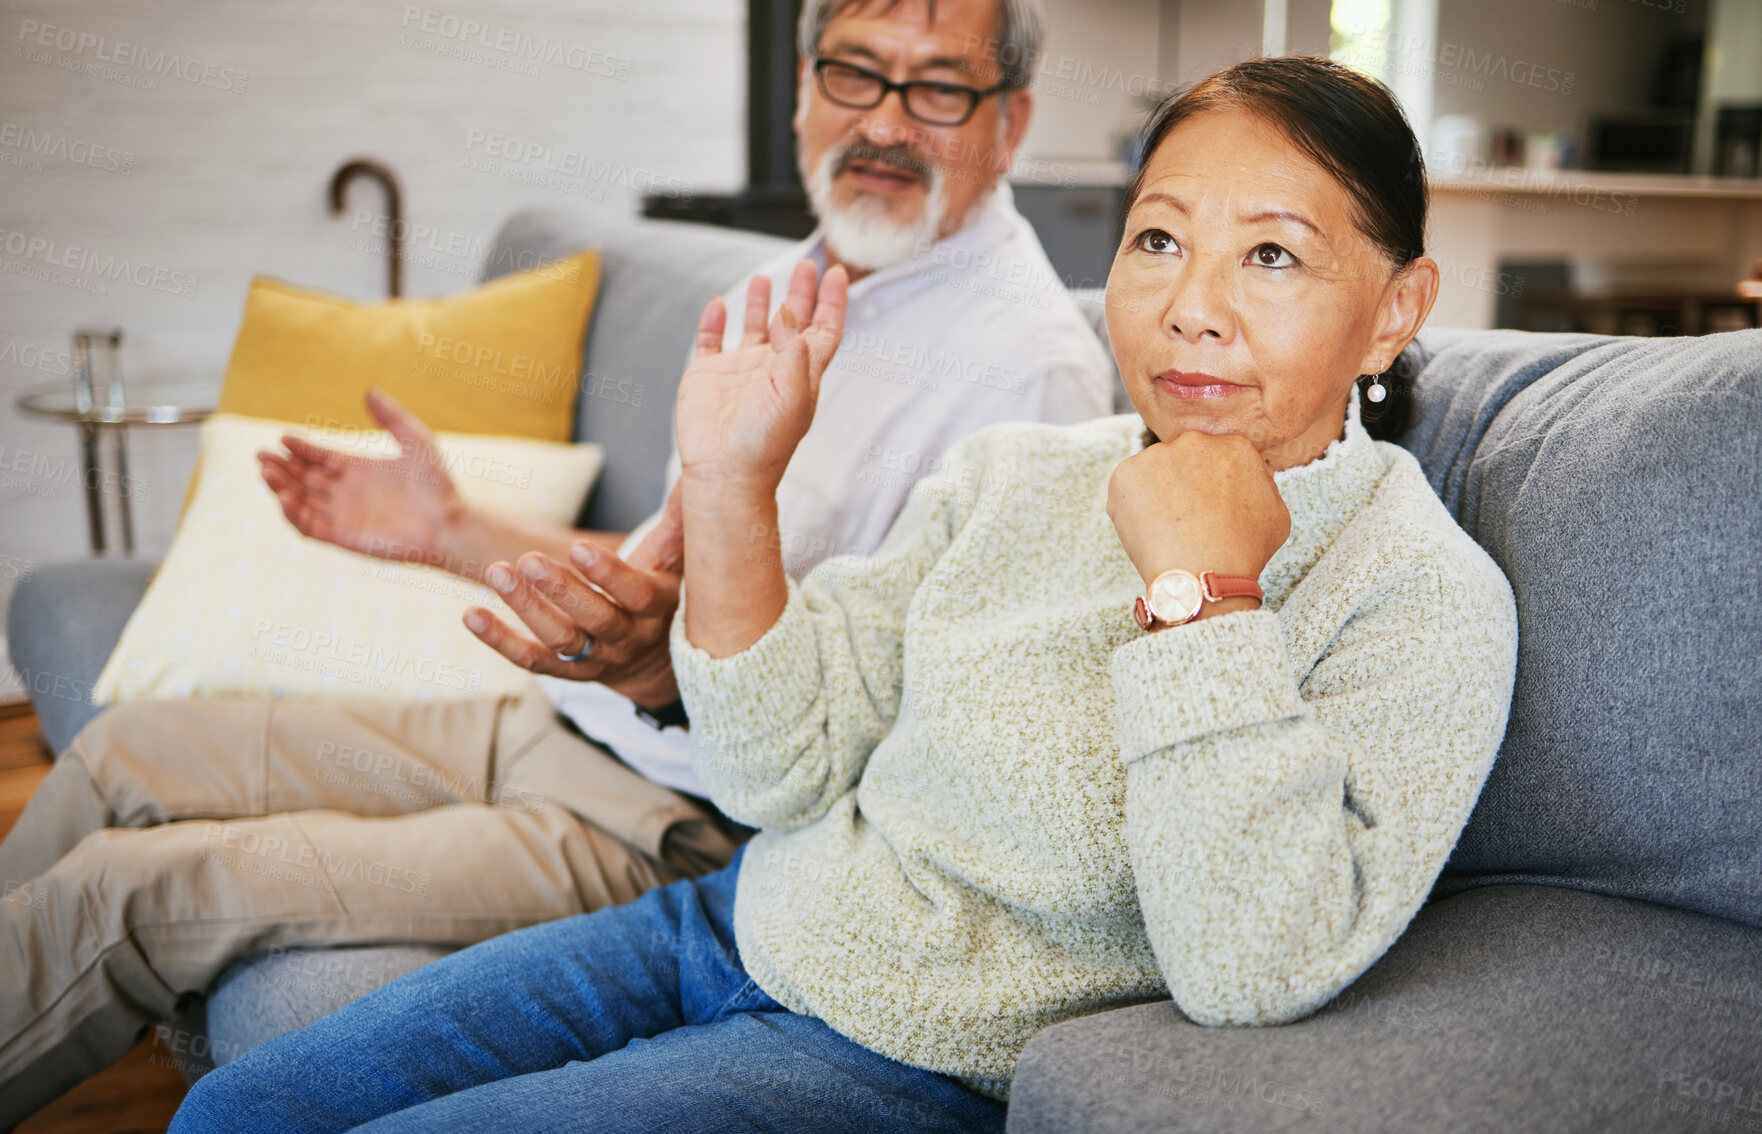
(1108, 61)
(1099, 66)
(211, 178)
(1210, 35)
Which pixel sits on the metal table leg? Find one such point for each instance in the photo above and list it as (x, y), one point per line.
(89, 474)
(124, 492)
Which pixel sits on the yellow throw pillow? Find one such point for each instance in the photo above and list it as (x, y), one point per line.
(501, 358)
(245, 605)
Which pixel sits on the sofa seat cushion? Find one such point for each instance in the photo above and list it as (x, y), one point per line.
(261, 997)
(1616, 482)
(1506, 1008)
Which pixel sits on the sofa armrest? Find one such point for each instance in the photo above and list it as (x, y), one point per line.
(62, 624)
(1512, 1008)
(1081, 1075)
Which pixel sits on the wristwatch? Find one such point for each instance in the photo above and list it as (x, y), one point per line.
(670, 715)
(1175, 598)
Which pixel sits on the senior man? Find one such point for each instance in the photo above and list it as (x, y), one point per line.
(174, 837)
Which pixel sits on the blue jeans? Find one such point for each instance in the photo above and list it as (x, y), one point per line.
(634, 1018)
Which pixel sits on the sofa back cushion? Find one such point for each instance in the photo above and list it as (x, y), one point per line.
(1618, 482)
(655, 277)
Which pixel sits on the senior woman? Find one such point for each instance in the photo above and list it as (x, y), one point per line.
(1113, 714)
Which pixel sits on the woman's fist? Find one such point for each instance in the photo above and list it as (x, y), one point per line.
(1200, 502)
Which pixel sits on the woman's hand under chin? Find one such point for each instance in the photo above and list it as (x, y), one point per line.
(1200, 502)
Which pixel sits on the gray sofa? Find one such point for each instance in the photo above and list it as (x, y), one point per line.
(1592, 956)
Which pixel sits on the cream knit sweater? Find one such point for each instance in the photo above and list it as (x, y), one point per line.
(990, 802)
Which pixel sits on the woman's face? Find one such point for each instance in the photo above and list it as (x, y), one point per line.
(1243, 297)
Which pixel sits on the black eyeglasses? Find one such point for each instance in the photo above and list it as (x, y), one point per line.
(937, 104)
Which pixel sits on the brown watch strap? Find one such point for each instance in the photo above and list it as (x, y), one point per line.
(1219, 587)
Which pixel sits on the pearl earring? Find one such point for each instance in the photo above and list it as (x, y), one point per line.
(1376, 391)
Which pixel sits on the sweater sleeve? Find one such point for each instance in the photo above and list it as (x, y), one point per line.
(783, 729)
(1285, 826)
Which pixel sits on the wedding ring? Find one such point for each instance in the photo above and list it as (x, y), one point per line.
(580, 655)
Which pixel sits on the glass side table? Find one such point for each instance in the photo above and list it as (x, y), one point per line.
(143, 404)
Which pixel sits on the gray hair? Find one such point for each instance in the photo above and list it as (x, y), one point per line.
(1016, 37)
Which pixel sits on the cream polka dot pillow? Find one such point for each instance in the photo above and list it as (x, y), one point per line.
(246, 605)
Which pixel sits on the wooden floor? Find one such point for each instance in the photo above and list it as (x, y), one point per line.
(142, 1091)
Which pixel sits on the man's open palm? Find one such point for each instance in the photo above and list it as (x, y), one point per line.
(390, 508)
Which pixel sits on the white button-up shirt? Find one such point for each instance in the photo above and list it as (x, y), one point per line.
(975, 330)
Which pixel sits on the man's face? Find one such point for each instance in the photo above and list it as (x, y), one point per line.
(881, 181)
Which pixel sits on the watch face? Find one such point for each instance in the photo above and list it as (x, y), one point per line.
(1176, 596)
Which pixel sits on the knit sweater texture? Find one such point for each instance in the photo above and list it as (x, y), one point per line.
(989, 802)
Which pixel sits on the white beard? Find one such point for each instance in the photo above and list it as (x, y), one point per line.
(862, 234)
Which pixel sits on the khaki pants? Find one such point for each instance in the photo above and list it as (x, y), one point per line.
(175, 837)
